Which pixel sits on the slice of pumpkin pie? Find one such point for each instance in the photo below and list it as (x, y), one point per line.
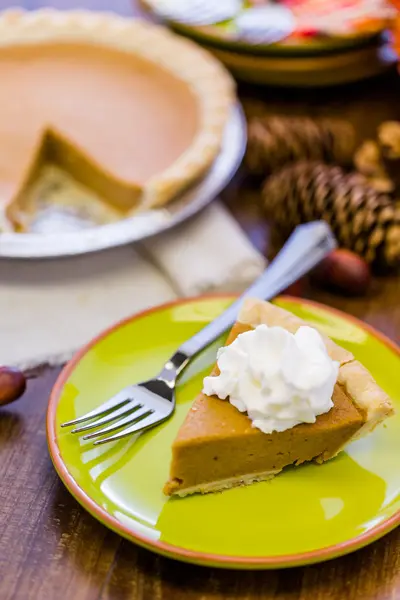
(280, 394)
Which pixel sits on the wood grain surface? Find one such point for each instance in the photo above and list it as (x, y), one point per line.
(51, 549)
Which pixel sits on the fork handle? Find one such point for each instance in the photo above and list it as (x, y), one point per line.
(306, 247)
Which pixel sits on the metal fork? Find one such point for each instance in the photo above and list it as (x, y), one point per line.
(140, 406)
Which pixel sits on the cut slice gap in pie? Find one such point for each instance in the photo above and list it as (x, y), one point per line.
(217, 447)
(54, 150)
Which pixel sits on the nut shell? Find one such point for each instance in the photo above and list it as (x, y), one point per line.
(343, 271)
(12, 385)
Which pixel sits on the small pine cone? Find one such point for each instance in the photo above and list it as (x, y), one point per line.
(368, 159)
(389, 142)
(274, 142)
(362, 219)
(389, 139)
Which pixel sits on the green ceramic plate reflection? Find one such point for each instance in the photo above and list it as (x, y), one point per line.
(304, 515)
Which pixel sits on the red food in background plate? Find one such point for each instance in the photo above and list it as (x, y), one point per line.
(341, 17)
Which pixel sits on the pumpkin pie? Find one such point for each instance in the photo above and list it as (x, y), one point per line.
(218, 448)
(129, 109)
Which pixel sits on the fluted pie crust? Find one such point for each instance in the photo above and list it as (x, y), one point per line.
(89, 91)
(217, 448)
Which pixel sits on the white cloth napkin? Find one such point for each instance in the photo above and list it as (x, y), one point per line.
(49, 308)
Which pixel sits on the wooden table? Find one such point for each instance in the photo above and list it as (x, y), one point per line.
(51, 549)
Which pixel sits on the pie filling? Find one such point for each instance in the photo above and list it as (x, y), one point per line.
(235, 449)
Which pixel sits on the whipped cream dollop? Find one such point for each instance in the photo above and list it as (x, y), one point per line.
(280, 379)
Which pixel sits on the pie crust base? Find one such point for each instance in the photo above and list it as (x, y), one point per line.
(225, 484)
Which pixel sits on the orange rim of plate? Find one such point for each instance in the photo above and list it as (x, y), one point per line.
(176, 552)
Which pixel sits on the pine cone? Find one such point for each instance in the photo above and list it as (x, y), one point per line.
(363, 220)
(368, 161)
(274, 142)
(389, 138)
(389, 141)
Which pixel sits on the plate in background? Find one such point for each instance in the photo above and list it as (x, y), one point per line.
(225, 34)
(309, 71)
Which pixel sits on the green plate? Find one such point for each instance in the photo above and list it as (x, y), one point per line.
(306, 514)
